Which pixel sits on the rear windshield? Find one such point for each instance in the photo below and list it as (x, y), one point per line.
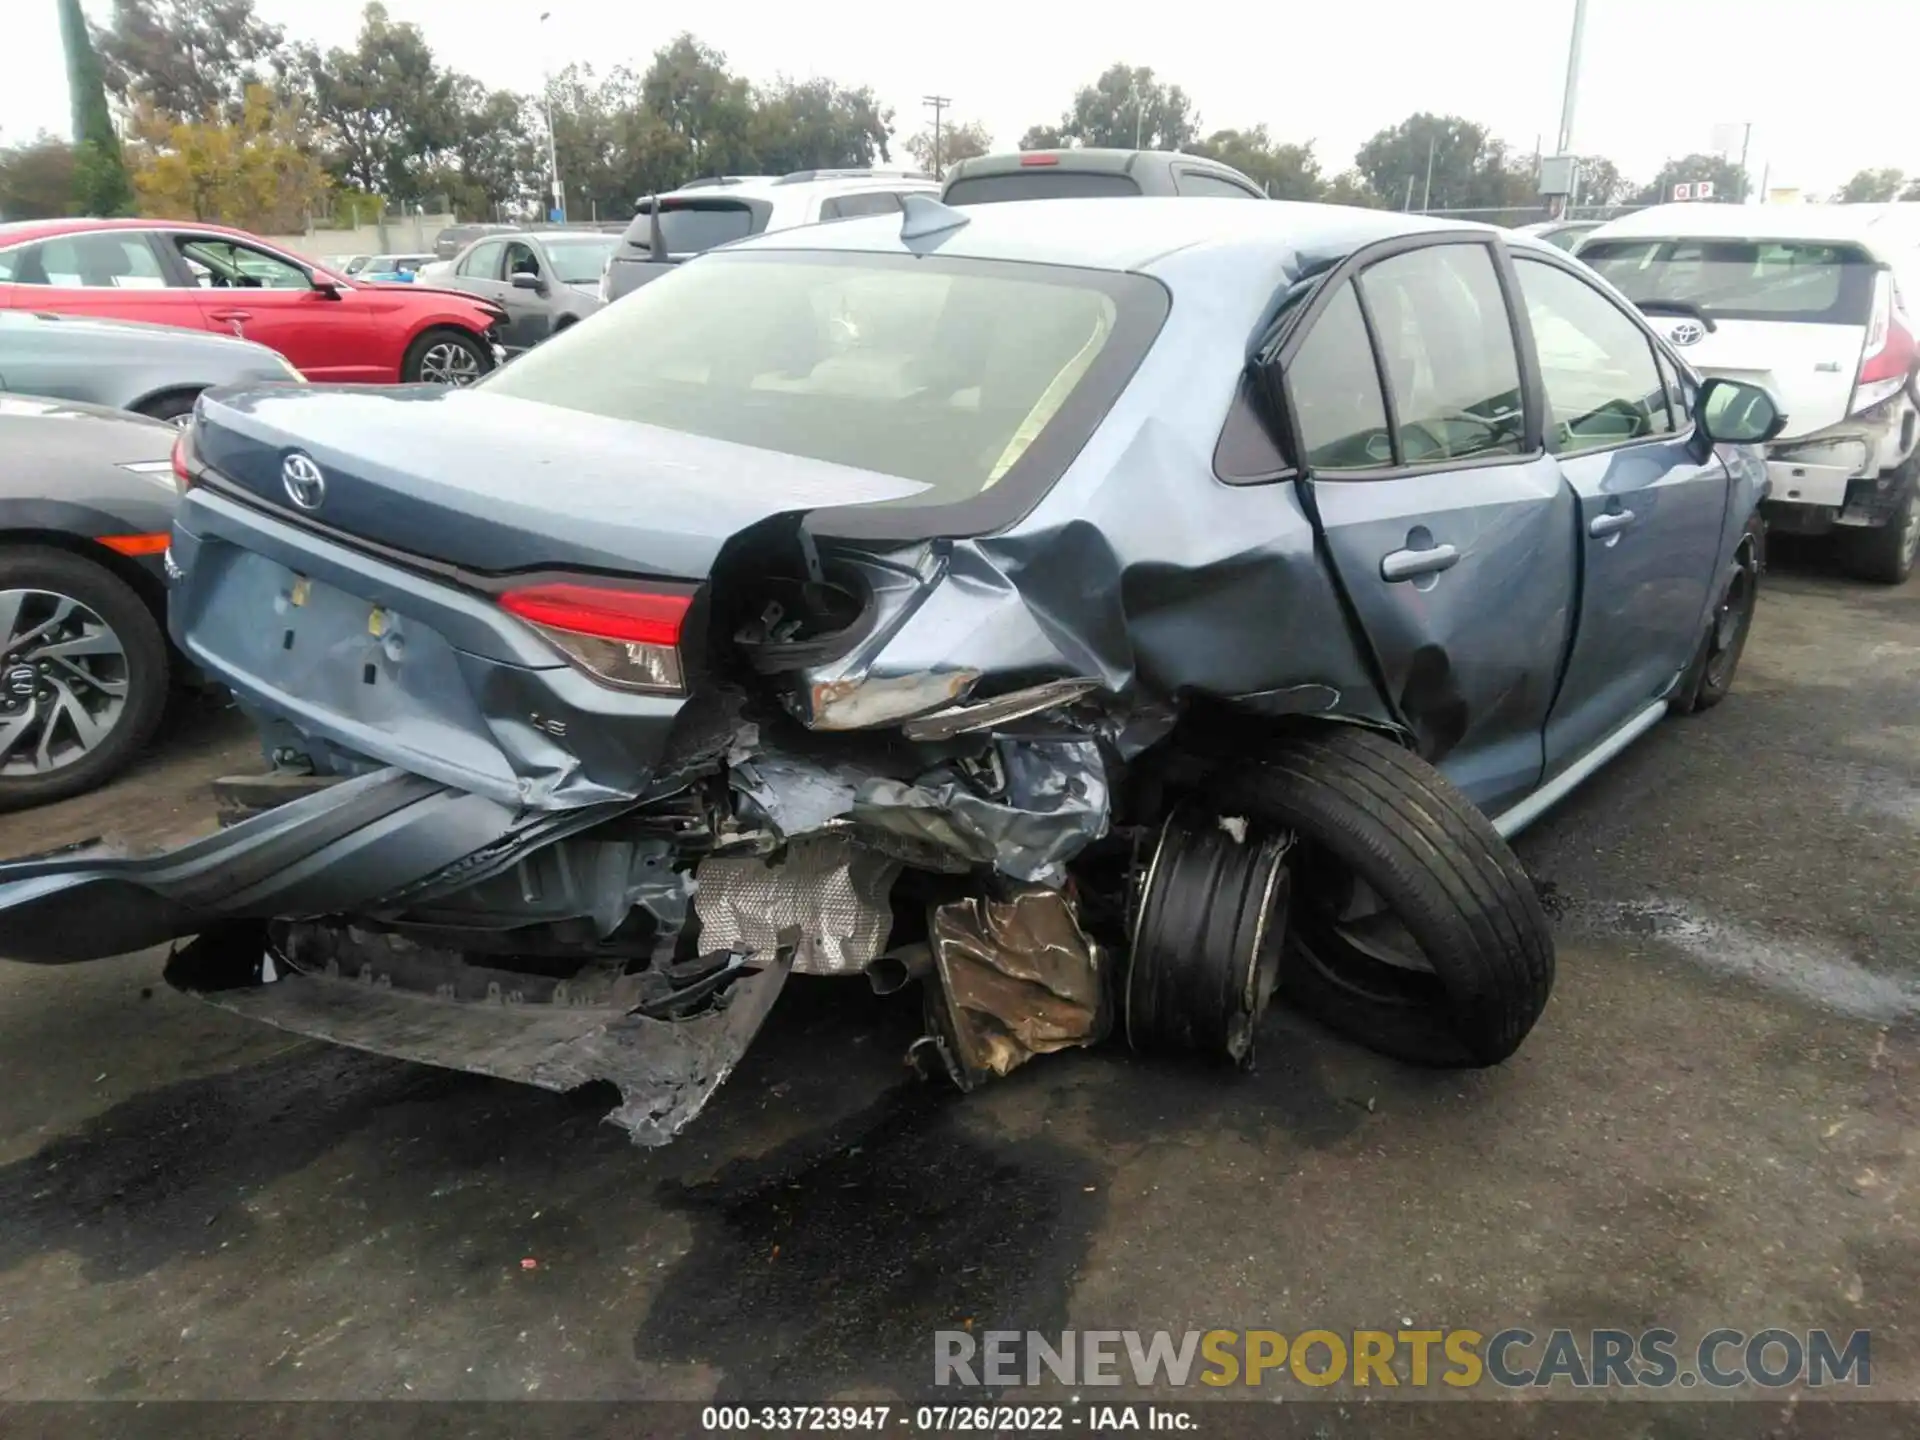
(1039, 183)
(579, 262)
(941, 371)
(692, 229)
(1742, 279)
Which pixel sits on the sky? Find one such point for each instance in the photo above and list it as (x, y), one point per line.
(1657, 77)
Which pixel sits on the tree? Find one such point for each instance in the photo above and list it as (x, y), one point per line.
(612, 148)
(1125, 108)
(1912, 192)
(189, 58)
(690, 89)
(252, 172)
(1601, 182)
(1286, 172)
(816, 124)
(1350, 187)
(1729, 181)
(386, 107)
(1443, 162)
(1871, 187)
(99, 177)
(961, 141)
(36, 179)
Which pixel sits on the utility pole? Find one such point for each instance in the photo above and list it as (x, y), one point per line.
(1746, 180)
(1426, 196)
(938, 104)
(558, 211)
(1569, 99)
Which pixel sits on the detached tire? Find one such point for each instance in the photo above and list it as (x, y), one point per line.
(1414, 928)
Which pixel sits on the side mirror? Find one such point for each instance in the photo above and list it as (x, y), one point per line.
(1732, 412)
(524, 280)
(325, 289)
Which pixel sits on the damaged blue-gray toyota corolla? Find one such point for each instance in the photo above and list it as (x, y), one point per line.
(1104, 614)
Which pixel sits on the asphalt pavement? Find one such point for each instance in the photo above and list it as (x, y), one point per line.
(1713, 1125)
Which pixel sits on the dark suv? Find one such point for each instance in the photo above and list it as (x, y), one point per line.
(1083, 174)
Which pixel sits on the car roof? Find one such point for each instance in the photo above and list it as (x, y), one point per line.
(1119, 233)
(562, 235)
(1894, 225)
(800, 182)
(24, 230)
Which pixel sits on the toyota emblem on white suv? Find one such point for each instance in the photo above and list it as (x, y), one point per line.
(1687, 332)
(303, 482)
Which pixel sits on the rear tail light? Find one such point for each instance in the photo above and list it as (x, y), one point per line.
(1887, 358)
(629, 639)
(183, 464)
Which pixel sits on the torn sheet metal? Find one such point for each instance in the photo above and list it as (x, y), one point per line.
(1054, 805)
(1013, 978)
(833, 890)
(556, 1036)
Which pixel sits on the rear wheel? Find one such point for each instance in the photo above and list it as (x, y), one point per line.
(1413, 927)
(1885, 554)
(83, 675)
(446, 356)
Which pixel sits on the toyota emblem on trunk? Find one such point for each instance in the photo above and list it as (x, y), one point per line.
(1687, 332)
(304, 483)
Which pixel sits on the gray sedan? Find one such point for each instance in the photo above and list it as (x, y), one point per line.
(545, 281)
(87, 496)
(156, 370)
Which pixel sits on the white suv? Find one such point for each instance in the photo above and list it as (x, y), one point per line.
(697, 217)
(1815, 302)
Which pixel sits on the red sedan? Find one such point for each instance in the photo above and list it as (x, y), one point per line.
(207, 277)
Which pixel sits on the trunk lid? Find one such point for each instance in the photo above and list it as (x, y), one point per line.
(496, 484)
(1809, 368)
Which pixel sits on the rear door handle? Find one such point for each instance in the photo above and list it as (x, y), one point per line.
(1611, 523)
(1408, 564)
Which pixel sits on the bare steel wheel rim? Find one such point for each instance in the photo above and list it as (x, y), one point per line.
(448, 362)
(64, 682)
(1730, 623)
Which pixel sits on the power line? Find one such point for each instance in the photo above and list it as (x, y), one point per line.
(938, 104)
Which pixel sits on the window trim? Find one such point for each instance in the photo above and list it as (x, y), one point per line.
(1278, 355)
(1683, 424)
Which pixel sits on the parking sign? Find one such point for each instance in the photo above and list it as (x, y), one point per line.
(1683, 192)
(1703, 190)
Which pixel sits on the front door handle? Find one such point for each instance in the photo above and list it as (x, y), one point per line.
(233, 314)
(1611, 523)
(1409, 564)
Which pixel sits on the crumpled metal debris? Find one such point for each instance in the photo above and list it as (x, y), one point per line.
(833, 890)
(1055, 805)
(1013, 978)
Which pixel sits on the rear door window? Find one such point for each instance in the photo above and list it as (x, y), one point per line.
(1335, 390)
(1041, 182)
(96, 261)
(1779, 280)
(1448, 349)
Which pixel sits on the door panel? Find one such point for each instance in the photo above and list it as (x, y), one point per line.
(263, 297)
(1470, 651)
(1455, 548)
(529, 313)
(1652, 506)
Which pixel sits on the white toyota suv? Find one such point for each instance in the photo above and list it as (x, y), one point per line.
(1816, 303)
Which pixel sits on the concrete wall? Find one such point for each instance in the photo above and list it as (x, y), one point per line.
(412, 235)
